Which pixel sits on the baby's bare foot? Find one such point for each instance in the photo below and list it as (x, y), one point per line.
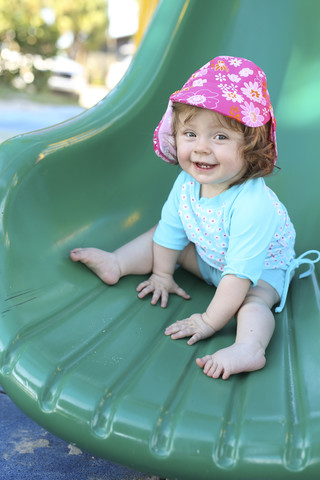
(103, 264)
(239, 357)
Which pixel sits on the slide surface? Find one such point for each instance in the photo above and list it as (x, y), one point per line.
(89, 362)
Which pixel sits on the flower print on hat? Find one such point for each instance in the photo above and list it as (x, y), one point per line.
(232, 86)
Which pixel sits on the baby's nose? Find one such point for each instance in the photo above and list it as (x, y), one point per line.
(202, 145)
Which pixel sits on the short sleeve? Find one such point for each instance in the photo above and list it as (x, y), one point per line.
(252, 224)
(170, 232)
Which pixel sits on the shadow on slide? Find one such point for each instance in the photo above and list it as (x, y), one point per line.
(90, 362)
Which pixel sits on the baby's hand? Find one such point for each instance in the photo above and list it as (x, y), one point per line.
(194, 327)
(160, 286)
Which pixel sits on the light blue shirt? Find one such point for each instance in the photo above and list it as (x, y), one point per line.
(242, 231)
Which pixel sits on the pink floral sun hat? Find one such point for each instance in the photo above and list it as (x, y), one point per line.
(232, 86)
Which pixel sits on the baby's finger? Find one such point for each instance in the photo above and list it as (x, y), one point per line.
(164, 299)
(194, 339)
(142, 285)
(182, 293)
(145, 291)
(181, 334)
(173, 328)
(156, 295)
(181, 330)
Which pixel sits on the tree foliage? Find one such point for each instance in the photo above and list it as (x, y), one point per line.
(24, 21)
(23, 29)
(86, 19)
(34, 27)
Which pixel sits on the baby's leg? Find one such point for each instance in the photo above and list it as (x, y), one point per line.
(254, 331)
(135, 257)
(188, 260)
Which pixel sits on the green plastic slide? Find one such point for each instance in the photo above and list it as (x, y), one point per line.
(90, 362)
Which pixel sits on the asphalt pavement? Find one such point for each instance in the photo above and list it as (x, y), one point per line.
(28, 452)
(22, 116)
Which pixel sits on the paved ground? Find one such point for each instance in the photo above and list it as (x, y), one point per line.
(28, 452)
(24, 116)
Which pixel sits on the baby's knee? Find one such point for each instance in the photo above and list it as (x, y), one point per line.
(262, 294)
(254, 306)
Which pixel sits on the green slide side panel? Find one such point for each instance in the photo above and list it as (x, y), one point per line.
(90, 362)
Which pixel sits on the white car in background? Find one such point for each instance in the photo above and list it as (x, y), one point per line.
(67, 76)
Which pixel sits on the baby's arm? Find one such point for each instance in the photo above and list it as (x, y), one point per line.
(227, 300)
(161, 282)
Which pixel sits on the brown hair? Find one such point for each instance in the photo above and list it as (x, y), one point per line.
(257, 150)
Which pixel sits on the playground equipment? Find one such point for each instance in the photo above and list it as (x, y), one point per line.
(90, 362)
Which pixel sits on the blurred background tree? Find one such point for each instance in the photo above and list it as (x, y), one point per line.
(81, 23)
(32, 31)
(23, 28)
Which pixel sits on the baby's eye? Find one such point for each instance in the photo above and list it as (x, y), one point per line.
(189, 134)
(220, 136)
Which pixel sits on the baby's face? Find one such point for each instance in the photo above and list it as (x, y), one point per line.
(209, 151)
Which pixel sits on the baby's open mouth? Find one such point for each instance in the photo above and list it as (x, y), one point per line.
(204, 166)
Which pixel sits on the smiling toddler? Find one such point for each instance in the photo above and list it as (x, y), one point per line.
(220, 222)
